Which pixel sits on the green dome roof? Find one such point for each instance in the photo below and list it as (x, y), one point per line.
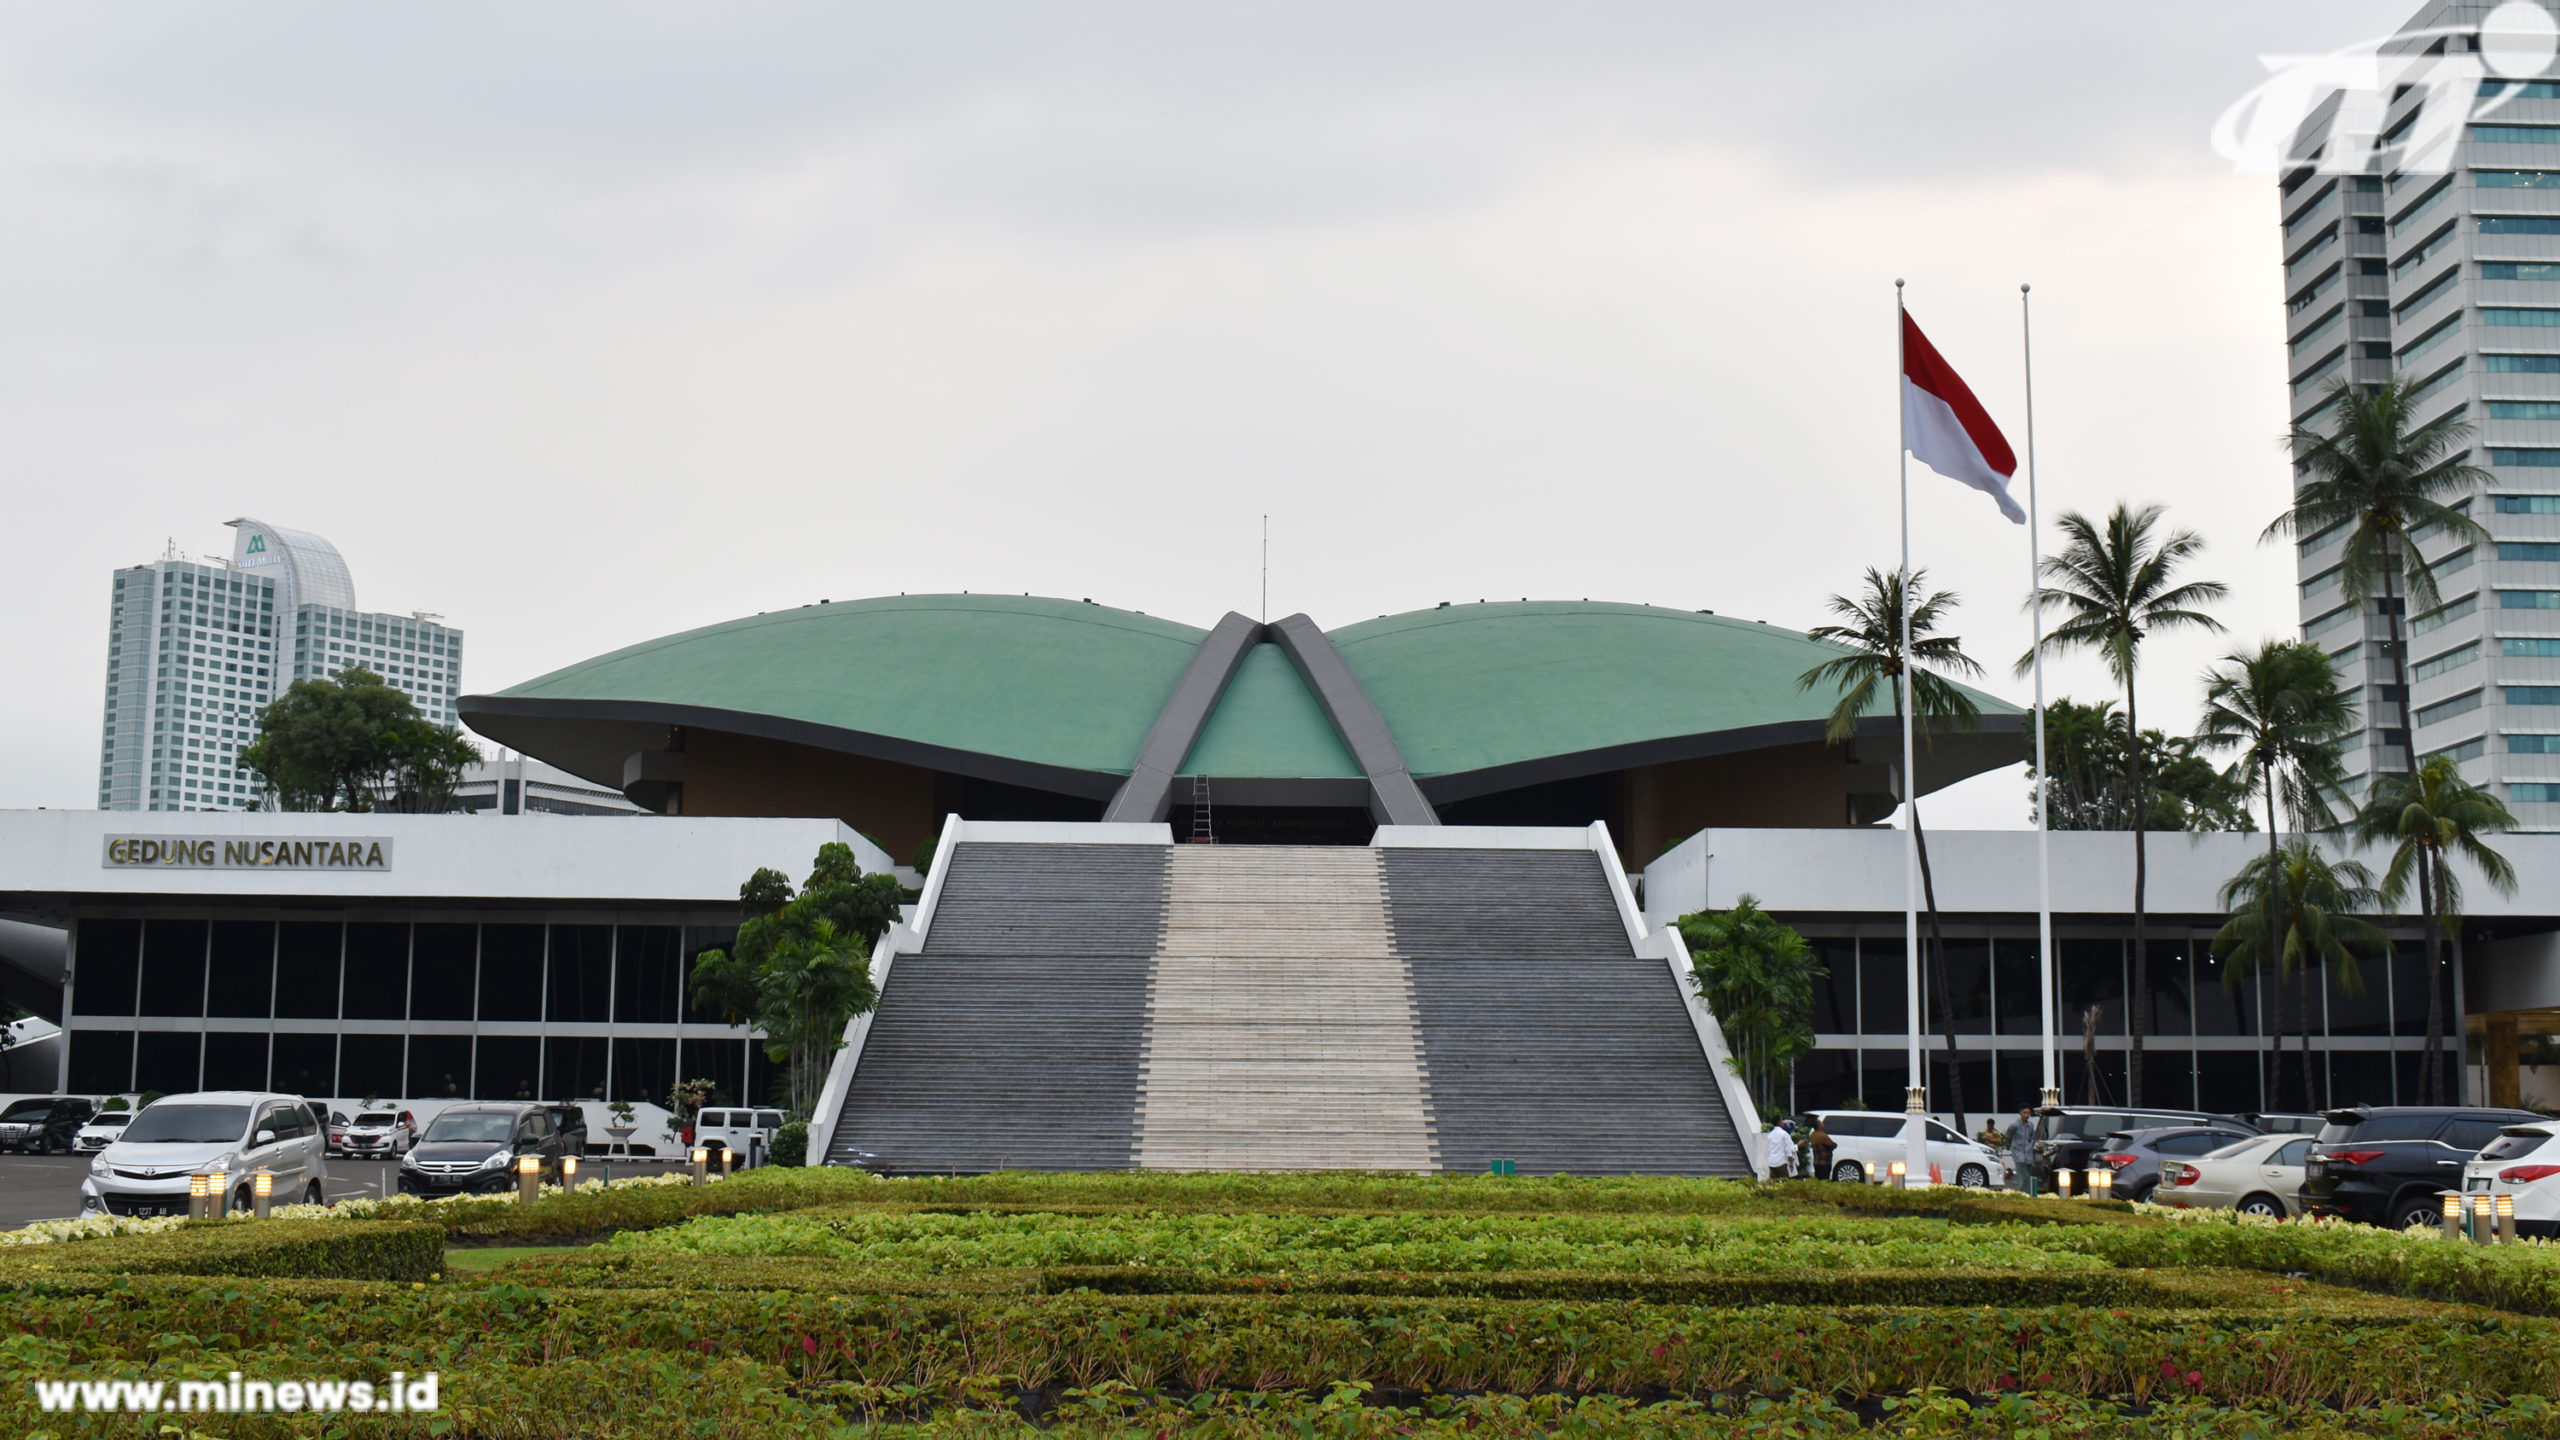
(1060, 694)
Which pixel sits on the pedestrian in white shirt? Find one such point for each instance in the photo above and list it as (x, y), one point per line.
(1781, 1153)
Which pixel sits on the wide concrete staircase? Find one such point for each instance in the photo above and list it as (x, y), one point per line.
(1112, 1007)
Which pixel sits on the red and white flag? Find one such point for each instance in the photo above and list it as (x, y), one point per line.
(1946, 429)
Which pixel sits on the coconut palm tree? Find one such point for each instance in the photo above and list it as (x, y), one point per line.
(2390, 481)
(2428, 818)
(1873, 636)
(2309, 907)
(2281, 708)
(2115, 584)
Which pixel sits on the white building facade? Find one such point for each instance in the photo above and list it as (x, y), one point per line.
(197, 647)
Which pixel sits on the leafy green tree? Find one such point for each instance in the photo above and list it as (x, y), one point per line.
(2115, 582)
(1872, 635)
(1757, 976)
(2428, 818)
(355, 743)
(2281, 708)
(2088, 769)
(2387, 479)
(801, 965)
(2310, 909)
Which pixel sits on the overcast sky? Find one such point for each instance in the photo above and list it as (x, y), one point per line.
(584, 323)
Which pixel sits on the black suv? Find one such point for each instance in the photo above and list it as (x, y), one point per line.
(2074, 1137)
(2389, 1165)
(44, 1124)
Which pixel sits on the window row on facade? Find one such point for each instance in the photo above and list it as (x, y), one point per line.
(334, 969)
(423, 1066)
(1993, 989)
(2177, 1076)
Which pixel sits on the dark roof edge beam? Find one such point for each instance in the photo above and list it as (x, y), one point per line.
(1393, 797)
(1146, 796)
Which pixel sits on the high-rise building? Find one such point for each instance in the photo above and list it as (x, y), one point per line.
(197, 647)
(2422, 242)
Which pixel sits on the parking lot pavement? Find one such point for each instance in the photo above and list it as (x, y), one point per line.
(47, 1187)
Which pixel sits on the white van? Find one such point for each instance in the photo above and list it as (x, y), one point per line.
(1871, 1140)
(748, 1132)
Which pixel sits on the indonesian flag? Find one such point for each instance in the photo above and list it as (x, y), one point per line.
(1946, 429)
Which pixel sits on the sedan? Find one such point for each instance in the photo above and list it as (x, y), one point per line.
(2136, 1157)
(2261, 1175)
(2524, 1161)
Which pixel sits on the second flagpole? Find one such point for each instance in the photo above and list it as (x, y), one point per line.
(2045, 972)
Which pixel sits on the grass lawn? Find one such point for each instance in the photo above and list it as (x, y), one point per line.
(828, 1303)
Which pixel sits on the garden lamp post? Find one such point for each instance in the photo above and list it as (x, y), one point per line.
(262, 1189)
(199, 1195)
(528, 1178)
(2452, 1216)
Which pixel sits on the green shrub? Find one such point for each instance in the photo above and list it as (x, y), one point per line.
(299, 1249)
(791, 1144)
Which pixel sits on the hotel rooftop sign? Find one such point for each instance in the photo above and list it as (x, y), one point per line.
(202, 852)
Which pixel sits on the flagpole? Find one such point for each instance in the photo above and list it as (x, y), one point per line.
(2045, 972)
(1915, 1098)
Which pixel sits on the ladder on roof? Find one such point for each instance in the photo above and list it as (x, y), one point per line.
(1202, 831)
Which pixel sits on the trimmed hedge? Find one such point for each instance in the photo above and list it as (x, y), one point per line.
(1932, 1287)
(267, 1249)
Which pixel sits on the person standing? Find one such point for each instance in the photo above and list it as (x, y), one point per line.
(1781, 1152)
(2021, 1136)
(1824, 1147)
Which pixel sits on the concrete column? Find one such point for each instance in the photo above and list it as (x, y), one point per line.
(2506, 1080)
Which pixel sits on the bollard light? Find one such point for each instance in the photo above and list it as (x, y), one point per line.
(2062, 1183)
(199, 1189)
(2484, 1219)
(2102, 1184)
(217, 1200)
(528, 1178)
(727, 1157)
(1898, 1175)
(2452, 1216)
(2506, 1218)
(262, 1189)
(568, 1172)
(701, 1165)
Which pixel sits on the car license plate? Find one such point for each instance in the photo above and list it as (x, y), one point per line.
(2476, 1182)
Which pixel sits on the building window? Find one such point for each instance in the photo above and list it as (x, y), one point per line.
(2466, 703)
(2534, 792)
(2529, 599)
(2528, 646)
(2523, 364)
(2446, 615)
(2524, 409)
(2531, 695)
(2530, 458)
(2519, 225)
(2533, 744)
(2446, 663)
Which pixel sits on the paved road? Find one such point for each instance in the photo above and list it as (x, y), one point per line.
(47, 1187)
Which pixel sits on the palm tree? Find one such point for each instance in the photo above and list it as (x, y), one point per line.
(2282, 709)
(1873, 636)
(1757, 976)
(2375, 473)
(2310, 909)
(2428, 817)
(2112, 582)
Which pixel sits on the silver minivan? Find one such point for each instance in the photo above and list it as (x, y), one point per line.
(144, 1170)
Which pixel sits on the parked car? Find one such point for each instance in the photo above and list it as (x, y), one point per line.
(2389, 1165)
(2261, 1175)
(102, 1129)
(2135, 1156)
(378, 1135)
(44, 1124)
(749, 1133)
(2524, 1161)
(2072, 1137)
(570, 1119)
(238, 1132)
(1869, 1141)
(475, 1147)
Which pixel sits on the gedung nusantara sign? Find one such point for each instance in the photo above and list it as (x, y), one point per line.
(202, 852)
